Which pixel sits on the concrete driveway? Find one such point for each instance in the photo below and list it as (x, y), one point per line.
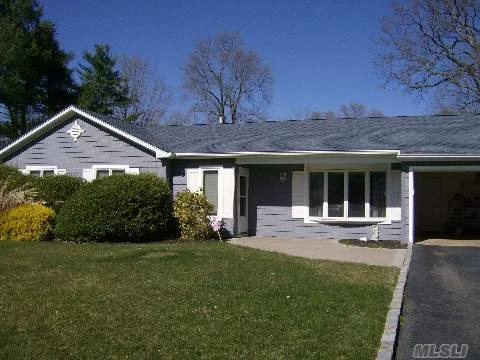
(442, 298)
(325, 249)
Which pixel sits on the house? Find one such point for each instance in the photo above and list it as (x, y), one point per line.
(391, 178)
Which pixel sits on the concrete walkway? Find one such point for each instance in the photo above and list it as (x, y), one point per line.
(325, 249)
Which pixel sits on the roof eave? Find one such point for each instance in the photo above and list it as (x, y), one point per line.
(62, 116)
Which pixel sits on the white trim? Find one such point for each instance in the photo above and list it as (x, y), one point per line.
(411, 200)
(438, 156)
(108, 167)
(345, 218)
(219, 169)
(287, 153)
(62, 116)
(448, 168)
(29, 168)
(159, 153)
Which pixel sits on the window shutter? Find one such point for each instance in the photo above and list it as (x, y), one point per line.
(194, 183)
(60, 171)
(298, 195)
(88, 174)
(228, 193)
(132, 171)
(396, 193)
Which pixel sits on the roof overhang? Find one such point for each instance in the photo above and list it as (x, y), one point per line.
(241, 154)
(64, 116)
(438, 157)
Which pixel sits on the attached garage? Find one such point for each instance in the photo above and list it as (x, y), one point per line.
(446, 204)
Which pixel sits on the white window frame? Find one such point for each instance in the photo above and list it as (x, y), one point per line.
(28, 169)
(95, 168)
(345, 218)
(219, 170)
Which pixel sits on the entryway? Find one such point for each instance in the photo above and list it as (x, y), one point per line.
(447, 205)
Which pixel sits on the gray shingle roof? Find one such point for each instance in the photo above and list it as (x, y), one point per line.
(411, 135)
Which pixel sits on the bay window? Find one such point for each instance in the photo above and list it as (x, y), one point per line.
(345, 195)
(378, 194)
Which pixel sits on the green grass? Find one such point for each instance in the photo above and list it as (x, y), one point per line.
(183, 301)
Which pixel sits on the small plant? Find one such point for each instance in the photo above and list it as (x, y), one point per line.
(13, 197)
(216, 225)
(192, 211)
(28, 222)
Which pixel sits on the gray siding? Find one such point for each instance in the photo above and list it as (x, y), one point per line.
(93, 147)
(270, 212)
(178, 177)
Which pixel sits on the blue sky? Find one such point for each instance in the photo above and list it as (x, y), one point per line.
(321, 52)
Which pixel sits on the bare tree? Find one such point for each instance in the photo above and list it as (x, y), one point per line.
(432, 44)
(150, 98)
(350, 110)
(227, 80)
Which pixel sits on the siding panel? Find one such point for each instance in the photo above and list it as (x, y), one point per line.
(270, 211)
(94, 146)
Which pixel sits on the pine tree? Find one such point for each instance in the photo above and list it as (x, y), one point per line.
(102, 88)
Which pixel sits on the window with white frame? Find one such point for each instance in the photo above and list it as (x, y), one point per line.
(347, 194)
(43, 171)
(100, 171)
(210, 188)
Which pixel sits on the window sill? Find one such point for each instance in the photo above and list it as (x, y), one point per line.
(313, 220)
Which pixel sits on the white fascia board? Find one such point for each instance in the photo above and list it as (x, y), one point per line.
(46, 125)
(427, 157)
(288, 153)
(159, 153)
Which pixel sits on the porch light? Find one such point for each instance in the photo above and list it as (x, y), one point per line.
(283, 176)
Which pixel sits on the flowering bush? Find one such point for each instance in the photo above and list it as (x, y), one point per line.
(28, 222)
(192, 210)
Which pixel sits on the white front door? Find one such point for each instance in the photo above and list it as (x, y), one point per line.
(242, 201)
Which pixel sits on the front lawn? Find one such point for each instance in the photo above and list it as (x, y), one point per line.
(183, 301)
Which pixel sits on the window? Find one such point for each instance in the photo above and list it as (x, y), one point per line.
(335, 194)
(316, 194)
(347, 194)
(378, 194)
(356, 194)
(100, 173)
(43, 171)
(210, 187)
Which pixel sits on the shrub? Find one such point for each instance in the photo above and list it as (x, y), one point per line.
(28, 222)
(120, 208)
(192, 210)
(13, 197)
(15, 178)
(53, 191)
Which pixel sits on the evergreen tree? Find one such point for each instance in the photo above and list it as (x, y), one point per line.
(102, 88)
(35, 80)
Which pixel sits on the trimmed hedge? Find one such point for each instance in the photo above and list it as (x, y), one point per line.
(53, 191)
(28, 222)
(119, 208)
